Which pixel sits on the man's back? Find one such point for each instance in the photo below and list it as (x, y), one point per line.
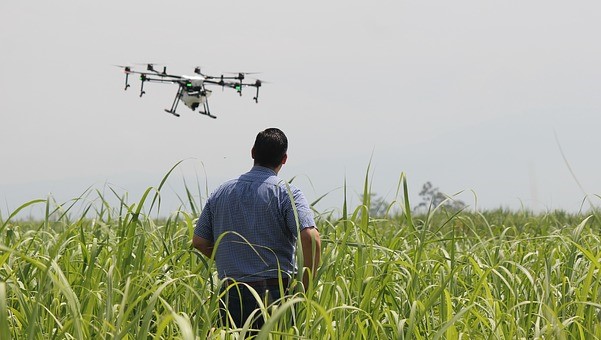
(256, 217)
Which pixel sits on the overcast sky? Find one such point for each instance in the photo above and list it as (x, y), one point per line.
(475, 96)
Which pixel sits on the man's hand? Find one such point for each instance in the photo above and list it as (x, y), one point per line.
(311, 244)
(203, 245)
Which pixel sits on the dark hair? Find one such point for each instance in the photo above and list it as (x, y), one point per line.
(270, 147)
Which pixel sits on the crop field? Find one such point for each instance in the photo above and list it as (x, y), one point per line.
(113, 271)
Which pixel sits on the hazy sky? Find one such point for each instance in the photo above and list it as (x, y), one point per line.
(476, 96)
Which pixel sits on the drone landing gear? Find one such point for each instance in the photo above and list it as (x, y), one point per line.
(178, 95)
(207, 114)
(205, 105)
(172, 112)
(206, 111)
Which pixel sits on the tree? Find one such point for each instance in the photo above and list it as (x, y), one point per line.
(432, 197)
(378, 206)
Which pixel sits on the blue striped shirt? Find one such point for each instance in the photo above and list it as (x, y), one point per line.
(255, 218)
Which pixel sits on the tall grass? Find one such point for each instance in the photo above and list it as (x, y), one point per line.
(115, 272)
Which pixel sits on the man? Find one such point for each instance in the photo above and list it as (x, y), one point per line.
(251, 226)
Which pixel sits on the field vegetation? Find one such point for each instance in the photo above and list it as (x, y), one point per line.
(116, 272)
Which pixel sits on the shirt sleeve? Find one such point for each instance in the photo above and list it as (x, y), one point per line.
(305, 214)
(204, 225)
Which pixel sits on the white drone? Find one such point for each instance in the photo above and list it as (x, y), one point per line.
(192, 89)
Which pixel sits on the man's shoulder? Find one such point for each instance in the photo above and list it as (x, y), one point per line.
(224, 186)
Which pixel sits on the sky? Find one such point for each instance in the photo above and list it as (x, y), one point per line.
(496, 102)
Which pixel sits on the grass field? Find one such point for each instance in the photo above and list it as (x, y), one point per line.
(116, 272)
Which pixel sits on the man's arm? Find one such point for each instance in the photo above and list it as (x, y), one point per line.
(311, 244)
(203, 245)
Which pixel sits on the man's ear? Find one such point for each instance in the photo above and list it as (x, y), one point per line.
(252, 152)
(285, 158)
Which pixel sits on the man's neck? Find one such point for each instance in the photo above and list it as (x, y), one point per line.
(276, 169)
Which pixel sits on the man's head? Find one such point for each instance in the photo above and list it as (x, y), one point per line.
(270, 148)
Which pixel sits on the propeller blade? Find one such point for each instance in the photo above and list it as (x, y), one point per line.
(198, 70)
(260, 81)
(244, 73)
(126, 69)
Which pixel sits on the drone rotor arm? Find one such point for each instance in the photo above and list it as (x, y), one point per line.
(212, 82)
(230, 84)
(163, 78)
(166, 81)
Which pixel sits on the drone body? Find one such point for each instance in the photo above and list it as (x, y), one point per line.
(193, 95)
(192, 98)
(192, 90)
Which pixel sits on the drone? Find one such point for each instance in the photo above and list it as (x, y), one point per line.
(192, 90)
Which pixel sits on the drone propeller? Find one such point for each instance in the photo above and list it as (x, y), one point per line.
(150, 67)
(147, 64)
(124, 67)
(257, 82)
(198, 70)
(241, 75)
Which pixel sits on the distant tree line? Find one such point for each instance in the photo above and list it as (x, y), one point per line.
(431, 197)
